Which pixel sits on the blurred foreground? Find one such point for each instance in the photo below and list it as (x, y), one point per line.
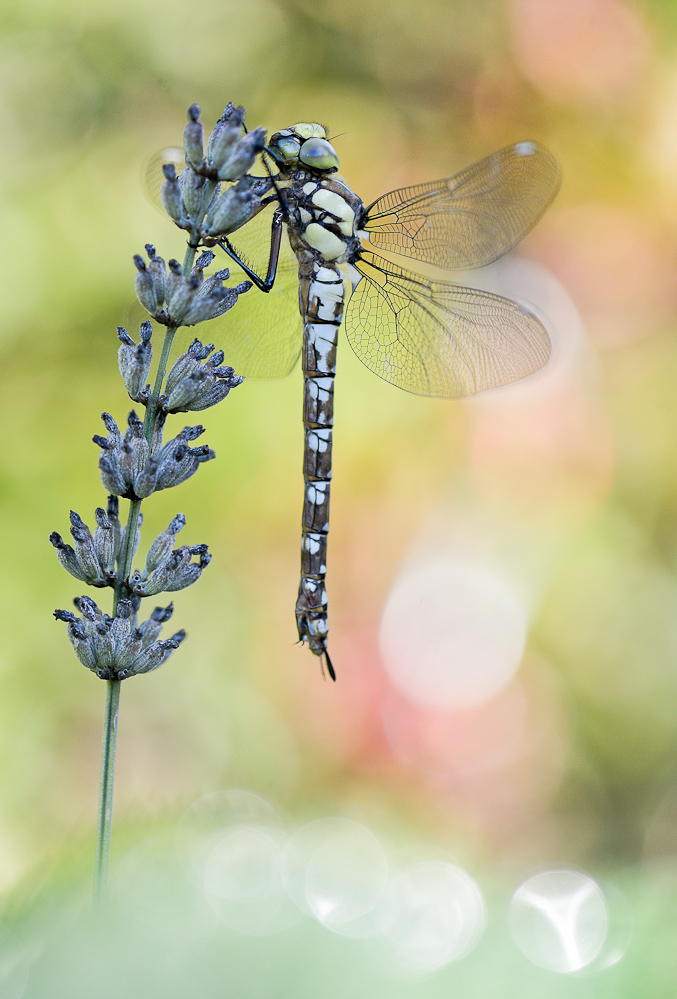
(234, 904)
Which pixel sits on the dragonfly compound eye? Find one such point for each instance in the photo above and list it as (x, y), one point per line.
(319, 154)
(286, 146)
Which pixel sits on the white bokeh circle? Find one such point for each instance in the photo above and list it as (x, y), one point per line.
(431, 914)
(452, 634)
(559, 920)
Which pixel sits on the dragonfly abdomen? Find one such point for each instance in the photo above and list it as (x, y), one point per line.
(322, 297)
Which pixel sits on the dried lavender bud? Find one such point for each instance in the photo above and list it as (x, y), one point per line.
(85, 551)
(205, 259)
(162, 547)
(70, 618)
(188, 572)
(184, 393)
(131, 458)
(145, 481)
(192, 186)
(178, 462)
(153, 656)
(67, 557)
(242, 156)
(180, 296)
(156, 439)
(211, 285)
(150, 629)
(197, 273)
(232, 209)
(158, 271)
(135, 424)
(193, 137)
(175, 277)
(114, 435)
(184, 365)
(194, 386)
(134, 361)
(103, 646)
(191, 433)
(125, 636)
(148, 291)
(215, 303)
(189, 300)
(78, 638)
(92, 559)
(124, 336)
(127, 464)
(216, 393)
(112, 512)
(172, 198)
(112, 479)
(104, 542)
(225, 135)
(175, 573)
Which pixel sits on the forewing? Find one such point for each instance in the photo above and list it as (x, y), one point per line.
(472, 218)
(153, 177)
(439, 339)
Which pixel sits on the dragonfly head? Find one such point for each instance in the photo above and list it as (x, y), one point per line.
(304, 144)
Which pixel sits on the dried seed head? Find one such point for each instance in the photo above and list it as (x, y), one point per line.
(115, 648)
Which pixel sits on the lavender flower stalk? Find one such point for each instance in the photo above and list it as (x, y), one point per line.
(137, 461)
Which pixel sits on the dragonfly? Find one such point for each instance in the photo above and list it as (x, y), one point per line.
(314, 250)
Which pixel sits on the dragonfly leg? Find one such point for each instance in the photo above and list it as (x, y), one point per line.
(266, 283)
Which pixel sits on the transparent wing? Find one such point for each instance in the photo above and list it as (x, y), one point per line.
(472, 218)
(262, 335)
(153, 177)
(439, 339)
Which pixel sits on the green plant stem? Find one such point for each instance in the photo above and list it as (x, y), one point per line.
(110, 721)
(110, 729)
(104, 826)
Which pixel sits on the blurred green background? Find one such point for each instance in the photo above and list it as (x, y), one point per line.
(565, 488)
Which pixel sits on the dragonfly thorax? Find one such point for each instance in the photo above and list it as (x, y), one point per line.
(322, 213)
